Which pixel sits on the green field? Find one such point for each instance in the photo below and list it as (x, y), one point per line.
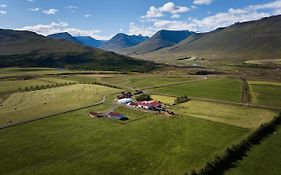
(30, 105)
(130, 81)
(14, 85)
(242, 116)
(163, 99)
(266, 93)
(219, 89)
(77, 144)
(262, 159)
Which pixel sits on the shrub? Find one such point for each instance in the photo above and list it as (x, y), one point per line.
(143, 97)
(182, 99)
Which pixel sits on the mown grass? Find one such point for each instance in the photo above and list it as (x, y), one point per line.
(163, 99)
(14, 85)
(242, 116)
(74, 143)
(220, 89)
(262, 159)
(130, 81)
(31, 105)
(266, 94)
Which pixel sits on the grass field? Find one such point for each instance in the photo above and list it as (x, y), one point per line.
(163, 99)
(14, 85)
(219, 89)
(262, 159)
(266, 93)
(74, 143)
(246, 117)
(130, 81)
(30, 105)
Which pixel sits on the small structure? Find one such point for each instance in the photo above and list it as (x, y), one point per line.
(96, 114)
(125, 100)
(149, 105)
(125, 95)
(116, 115)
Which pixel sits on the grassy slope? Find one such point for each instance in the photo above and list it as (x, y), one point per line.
(266, 94)
(31, 105)
(76, 144)
(246, 117)
(262, 159)
(220, 89)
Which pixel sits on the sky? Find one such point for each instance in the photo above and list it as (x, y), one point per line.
(102, 19)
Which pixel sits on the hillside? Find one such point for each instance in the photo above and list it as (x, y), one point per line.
(89, 41)
(260, 39)
(121, 41)
(25, 49)
(161, 39)
(63, 36)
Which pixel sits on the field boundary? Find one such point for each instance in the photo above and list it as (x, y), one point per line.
(225, 102)
(56, 114)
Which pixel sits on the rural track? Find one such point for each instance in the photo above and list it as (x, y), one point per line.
(56, 114)
(227, 102)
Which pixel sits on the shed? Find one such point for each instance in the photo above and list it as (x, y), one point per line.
(116, 115)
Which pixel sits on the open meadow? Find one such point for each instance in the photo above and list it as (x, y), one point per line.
(224, 89)
(147, 143)
(22, 106)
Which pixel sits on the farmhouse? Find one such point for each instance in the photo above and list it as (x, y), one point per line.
(116, 115)
(95, 114)
(125, 100)
(149, 104)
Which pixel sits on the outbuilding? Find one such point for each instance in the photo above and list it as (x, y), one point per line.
(116, 115)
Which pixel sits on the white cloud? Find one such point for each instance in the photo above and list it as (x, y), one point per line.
(211, 22)
(2, 12)
(173, 9)
(50, 11)
(136, 30)
(3, 5)
(153, 12)
(169, 7)
(203, 2)
(87, 15)
(175, 16)
(34, 9)
(58, 27)
(72, 8)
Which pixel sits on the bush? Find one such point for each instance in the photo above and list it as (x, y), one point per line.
(143, 97)
(182, 99)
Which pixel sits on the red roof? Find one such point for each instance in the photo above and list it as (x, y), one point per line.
(149, 103)
(115, 114)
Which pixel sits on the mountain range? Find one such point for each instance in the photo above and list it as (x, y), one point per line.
(28, 49)
(260, 39)
(121, 41)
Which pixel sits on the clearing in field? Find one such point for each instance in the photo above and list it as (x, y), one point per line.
(218, 89)
(164, 99)
(266, 93)
(262, 159)
(74, 143)
(20, 107)
(242, 116)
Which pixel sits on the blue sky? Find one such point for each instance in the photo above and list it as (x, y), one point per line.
(104, 18)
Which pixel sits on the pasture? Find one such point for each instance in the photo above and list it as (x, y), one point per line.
(164, 99)
(241, 116)
(20, 106)
(74, 143)
(266, 93)
(262, 159)
(216, 88)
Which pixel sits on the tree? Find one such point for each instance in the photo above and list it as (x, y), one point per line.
(182, 99)
(143, 97)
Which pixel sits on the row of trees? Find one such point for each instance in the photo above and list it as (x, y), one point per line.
(104, 84)
(237, 152)
(48, 86)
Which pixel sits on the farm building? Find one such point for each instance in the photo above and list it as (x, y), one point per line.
(95, 114)
(149, 104)
(125, 100)
(116, 115)
(124, 95)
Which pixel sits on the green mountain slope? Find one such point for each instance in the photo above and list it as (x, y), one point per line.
(259, 39)
(25, 49)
